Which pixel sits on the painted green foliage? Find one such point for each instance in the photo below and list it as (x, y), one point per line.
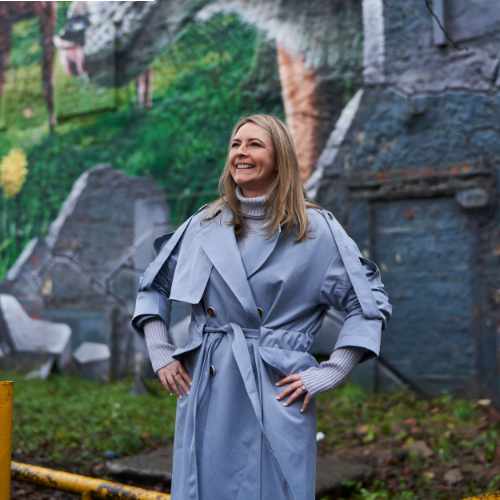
(198, 94)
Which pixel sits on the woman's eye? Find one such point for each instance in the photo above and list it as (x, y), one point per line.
(235, 144)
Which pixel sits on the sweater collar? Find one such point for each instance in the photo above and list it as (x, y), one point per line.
(252, 207)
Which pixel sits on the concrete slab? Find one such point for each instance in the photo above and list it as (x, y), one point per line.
(154, 465)
(91, 351)
(157, 466)
(32, 335)
(332, 471)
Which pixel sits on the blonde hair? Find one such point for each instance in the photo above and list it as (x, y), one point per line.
(286, 204)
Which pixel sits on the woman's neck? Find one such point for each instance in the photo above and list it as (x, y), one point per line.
(252, 207)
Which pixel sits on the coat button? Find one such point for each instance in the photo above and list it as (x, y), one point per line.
(212, 370)
(211, 312)
(261, 312)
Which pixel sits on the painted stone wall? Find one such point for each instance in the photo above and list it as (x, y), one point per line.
(84, 273)
(412, 168)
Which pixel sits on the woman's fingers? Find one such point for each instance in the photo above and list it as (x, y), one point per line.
(172, 385)
(163, 379)
(175, 378)
(306, 402)
(163, 375)
(182, 384)
(296, 394)
(183, 379)
(288, 390)
(294, 390)
(185, 375)
(288, 379)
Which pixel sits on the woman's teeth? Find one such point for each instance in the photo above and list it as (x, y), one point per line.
(244, 165)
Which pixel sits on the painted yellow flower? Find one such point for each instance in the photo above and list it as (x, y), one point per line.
(13, 172)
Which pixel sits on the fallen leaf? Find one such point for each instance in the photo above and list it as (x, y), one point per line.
(453, 476)
(419, 448)
(410, 421)
(428, 474)
(484, 402)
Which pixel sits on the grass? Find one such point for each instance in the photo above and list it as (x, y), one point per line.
(74, 424)
(414, 443)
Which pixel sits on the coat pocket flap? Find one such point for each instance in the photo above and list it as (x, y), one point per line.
(287, 361)
(190, 346)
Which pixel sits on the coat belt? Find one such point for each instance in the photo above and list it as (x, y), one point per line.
(241, 355)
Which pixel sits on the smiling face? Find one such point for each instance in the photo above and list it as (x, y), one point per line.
(251, 160)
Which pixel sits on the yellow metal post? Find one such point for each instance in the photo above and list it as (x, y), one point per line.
(6, 390)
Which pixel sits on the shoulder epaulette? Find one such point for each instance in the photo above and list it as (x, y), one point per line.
(161, 240)
(313, 206)
(214, 213)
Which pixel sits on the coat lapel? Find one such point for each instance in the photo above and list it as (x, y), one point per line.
(219, 244)
(268, 247)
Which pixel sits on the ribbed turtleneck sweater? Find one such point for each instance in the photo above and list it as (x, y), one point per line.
(328, 375)
(255, 238)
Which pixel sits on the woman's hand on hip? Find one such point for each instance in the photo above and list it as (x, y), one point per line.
(295, 390)
(175, 378)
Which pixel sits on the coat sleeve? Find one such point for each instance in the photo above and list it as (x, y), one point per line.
(337, 291)
(152, 302)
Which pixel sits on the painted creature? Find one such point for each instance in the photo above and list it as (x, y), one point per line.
(10, 13)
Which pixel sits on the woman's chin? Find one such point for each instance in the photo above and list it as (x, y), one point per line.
(245, 183)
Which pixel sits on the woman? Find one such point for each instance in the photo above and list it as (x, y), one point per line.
(260, 267)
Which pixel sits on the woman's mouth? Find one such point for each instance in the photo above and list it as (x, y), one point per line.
(244, 166)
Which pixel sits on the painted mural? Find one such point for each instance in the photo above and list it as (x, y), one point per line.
(171, 121)
(115, 121)
(153, 88)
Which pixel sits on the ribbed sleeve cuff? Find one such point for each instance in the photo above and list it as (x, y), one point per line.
(159, 348)
(333, 372)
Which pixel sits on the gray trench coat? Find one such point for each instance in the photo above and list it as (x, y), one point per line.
(250, 327)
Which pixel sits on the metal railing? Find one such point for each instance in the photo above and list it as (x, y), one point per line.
(89, 487)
